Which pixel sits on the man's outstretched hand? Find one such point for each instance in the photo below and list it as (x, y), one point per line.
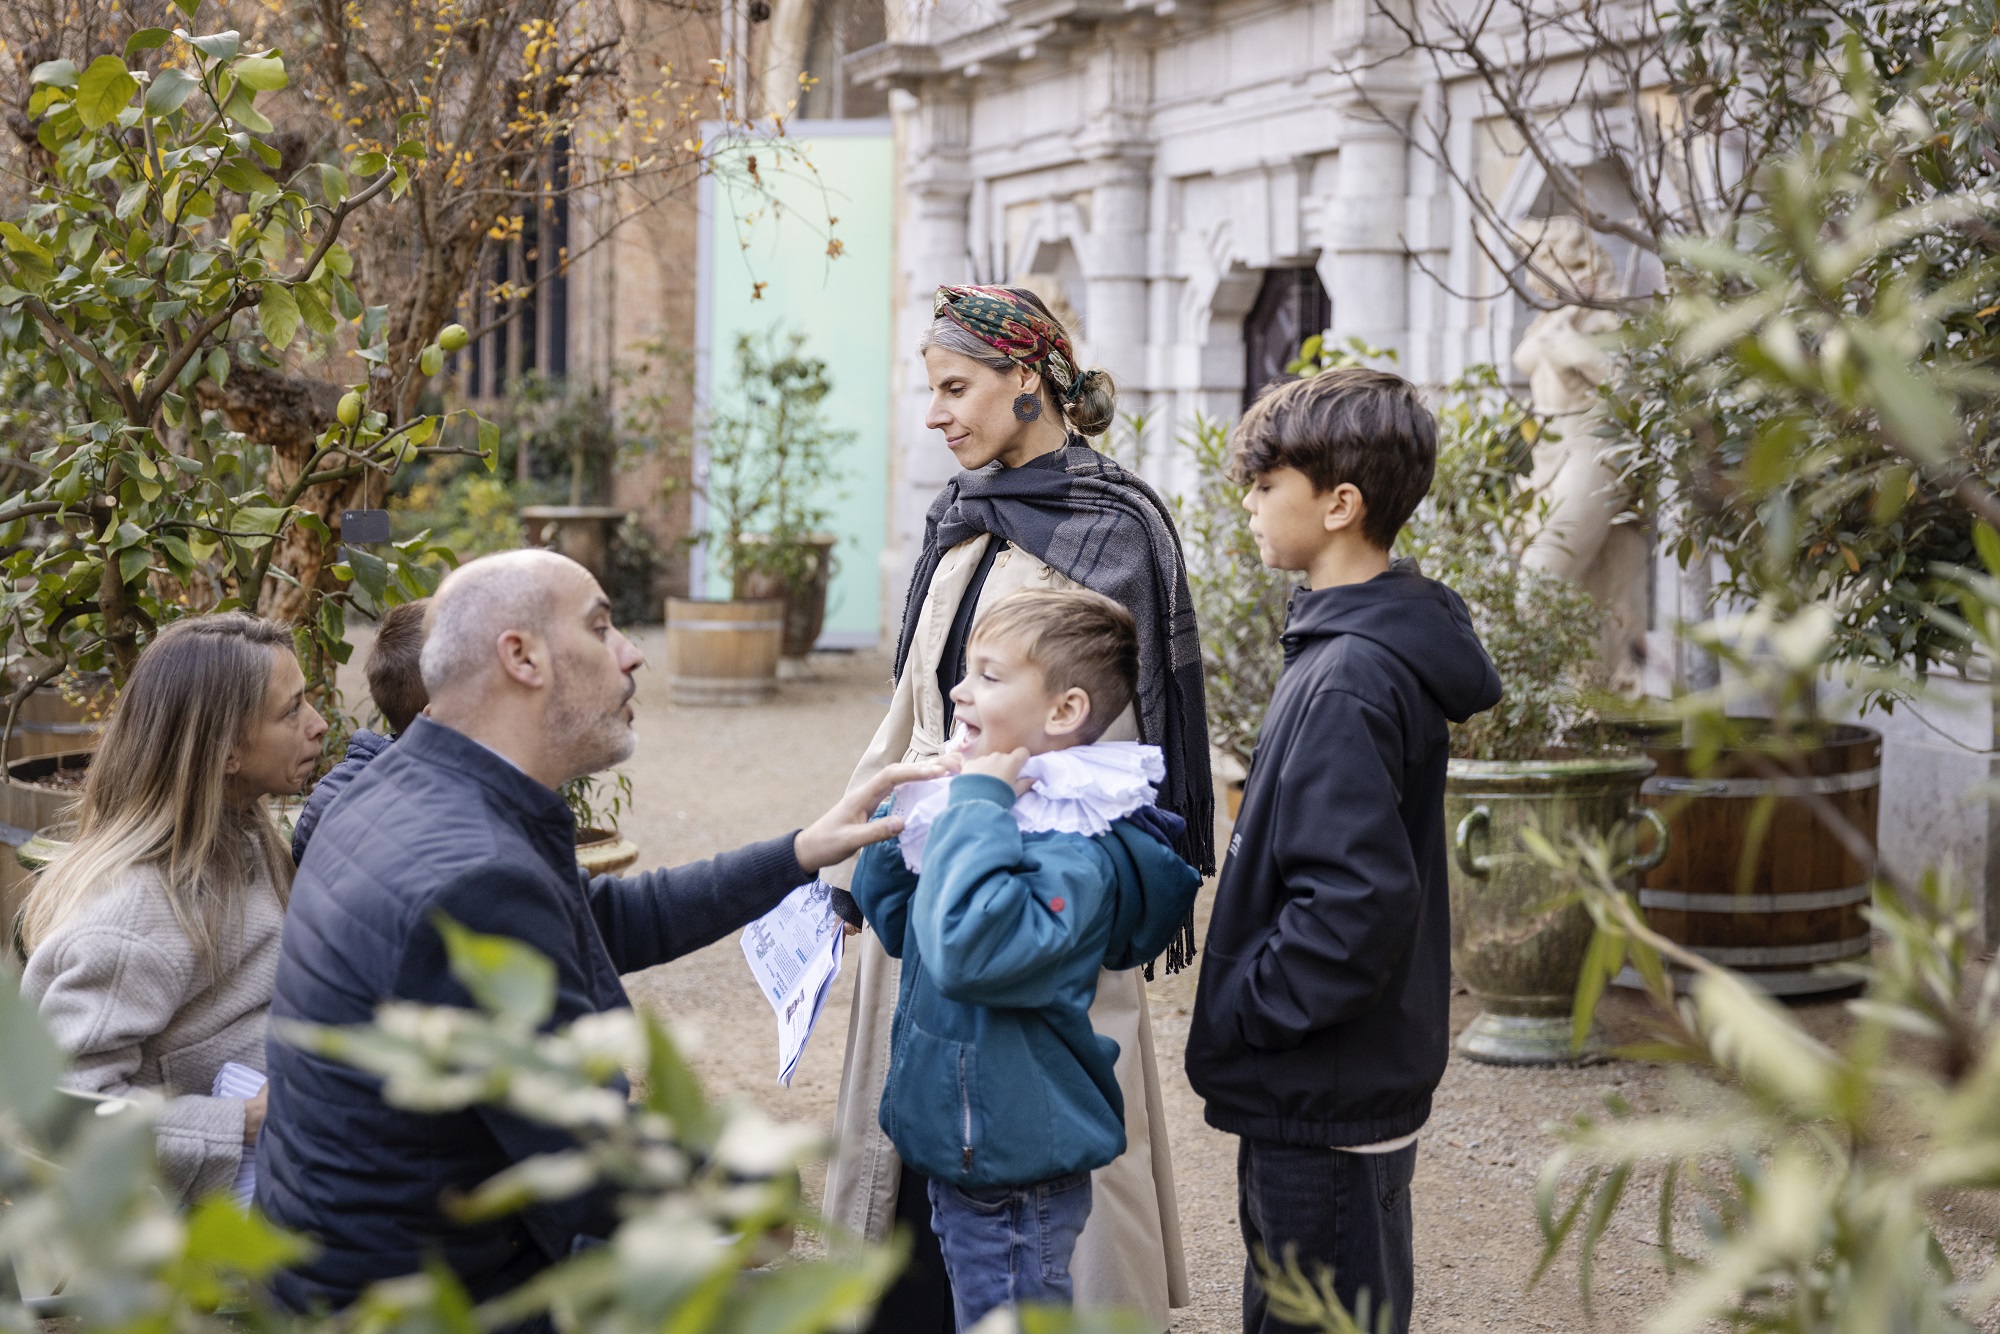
(846, 829)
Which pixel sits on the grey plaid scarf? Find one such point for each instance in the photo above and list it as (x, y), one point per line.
(1102, 526)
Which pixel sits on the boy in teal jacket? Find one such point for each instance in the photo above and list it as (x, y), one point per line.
(1014, 884)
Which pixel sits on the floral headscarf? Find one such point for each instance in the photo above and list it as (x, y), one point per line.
(1015, 329)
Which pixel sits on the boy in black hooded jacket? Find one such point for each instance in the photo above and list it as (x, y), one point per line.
(1319, 1029)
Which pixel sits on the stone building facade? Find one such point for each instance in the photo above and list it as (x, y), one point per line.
(1199, 182)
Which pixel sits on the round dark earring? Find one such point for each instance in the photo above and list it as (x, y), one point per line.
(1028, 407)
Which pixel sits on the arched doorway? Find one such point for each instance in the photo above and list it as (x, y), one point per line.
(1291, 306)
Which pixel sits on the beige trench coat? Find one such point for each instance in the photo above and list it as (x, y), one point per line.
(1130, 1251)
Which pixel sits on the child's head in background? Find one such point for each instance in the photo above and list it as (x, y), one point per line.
(1046, 669)
(395, 680)
(1336, 464)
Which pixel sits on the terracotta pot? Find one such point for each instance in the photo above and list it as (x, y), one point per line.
(723, 652)
(1517, 947)
(805, 603)
(603, 852)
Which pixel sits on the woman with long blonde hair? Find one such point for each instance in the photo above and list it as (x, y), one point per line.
(152, 940)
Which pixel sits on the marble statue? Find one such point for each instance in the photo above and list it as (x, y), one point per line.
(1586, 536)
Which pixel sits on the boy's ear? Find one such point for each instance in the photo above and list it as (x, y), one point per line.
(1069, 713)
(1345, 508)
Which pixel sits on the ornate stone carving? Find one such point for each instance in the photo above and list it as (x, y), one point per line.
(1587, 535)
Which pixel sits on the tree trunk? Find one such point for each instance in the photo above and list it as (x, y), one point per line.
(287, 413)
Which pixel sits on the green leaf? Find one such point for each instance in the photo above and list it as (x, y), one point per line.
(265, 519)
(240, 176)
(339, 260)
(421, 430)
(369, 571)
(673, 1091)
(218, 366)
(30, 1057)
(103, 91)
(132, 200)
(1601, 963)
(146, 39)
(333, 184)
(55, 73)
(807, 1297)
(489, 443)
(222, 1234)
(414, 149)
(188, 7)
(371, 164)
(1988, 542)
(21, 243)
(220, 45)
(312, 309)
(278, 315)
(509, 980)
(344, 299)
(244, 112)
(132, 562)
(265, 74)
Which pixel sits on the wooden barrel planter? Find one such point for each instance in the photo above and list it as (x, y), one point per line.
(28, 805)
(51, 723)
(1797, 926)
(724, 652)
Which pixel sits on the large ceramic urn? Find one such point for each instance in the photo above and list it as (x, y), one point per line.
(1518, 935)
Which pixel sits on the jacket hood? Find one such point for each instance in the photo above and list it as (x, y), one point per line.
(1419, 620)
(1155, 888)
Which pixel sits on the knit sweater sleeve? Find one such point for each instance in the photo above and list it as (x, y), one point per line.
(103, 990)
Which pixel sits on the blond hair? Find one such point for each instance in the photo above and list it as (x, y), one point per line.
(1079, 639)
(156, 793)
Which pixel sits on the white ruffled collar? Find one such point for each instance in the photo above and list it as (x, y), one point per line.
(1077, 791)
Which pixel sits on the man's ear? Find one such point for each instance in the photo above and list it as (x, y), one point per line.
(1345, 508)
(1069, 714)
(523, 658)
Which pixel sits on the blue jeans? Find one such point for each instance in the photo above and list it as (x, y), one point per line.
(1348, 1212)
(1009, 1245)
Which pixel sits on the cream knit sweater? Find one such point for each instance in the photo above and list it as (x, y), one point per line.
(123, 991)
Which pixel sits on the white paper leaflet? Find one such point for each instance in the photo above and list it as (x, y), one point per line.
(794, 952)
(235, 1080)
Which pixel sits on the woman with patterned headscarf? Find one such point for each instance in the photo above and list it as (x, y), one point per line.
(1033, 507)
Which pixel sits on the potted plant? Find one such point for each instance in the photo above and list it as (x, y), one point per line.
(1238, 603)
(551, 415)
(1806, 510)
(599, 848)
(1539, 765)
(763, 475)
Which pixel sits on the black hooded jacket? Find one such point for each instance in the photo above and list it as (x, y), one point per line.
(1322, 1008)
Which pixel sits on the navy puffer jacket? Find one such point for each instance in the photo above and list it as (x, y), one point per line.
(441, 823)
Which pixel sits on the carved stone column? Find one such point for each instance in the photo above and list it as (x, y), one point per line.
(933, 131)
(1114, 142)
(1363, 265)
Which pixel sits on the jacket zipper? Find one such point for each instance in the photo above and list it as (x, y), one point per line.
(965, 1109)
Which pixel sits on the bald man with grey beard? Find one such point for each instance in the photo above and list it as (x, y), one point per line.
(530, 686)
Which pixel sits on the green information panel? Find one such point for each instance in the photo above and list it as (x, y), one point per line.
(765, 270)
